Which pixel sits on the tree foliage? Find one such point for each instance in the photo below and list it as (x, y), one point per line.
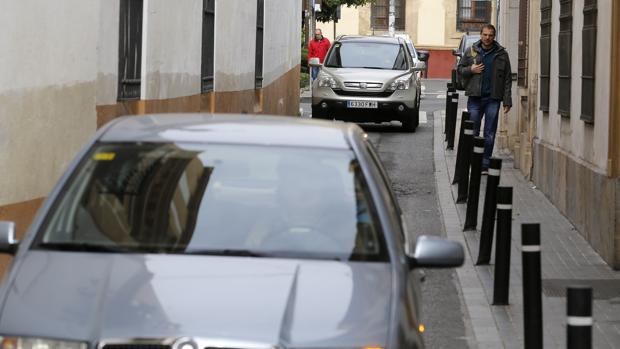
(328, 9)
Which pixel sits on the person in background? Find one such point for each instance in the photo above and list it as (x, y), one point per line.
(317, 48)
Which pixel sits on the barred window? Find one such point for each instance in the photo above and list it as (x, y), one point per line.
(523, 42)
(588, 60)
(260, 15)
(545, 53)
(208, 44)
(565, 48)
(130, 50)
(380, 13)
(473, 14)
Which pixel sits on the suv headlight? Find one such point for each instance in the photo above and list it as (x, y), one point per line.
(327, 81)
(401, 83)
(38, 343)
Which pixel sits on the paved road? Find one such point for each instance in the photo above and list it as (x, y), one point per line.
(408, 158)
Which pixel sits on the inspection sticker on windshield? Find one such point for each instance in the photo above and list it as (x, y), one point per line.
(362, 104)
(104, 156)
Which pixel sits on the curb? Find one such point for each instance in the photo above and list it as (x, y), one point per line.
(483, 322)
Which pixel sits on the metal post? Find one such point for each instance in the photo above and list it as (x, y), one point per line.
(392, 17)
(488, 213)
(532, 289)
(468, 142)
(451, 119)
(579, 318)
(459, 149)
(471, 217)
(501, 282)
(449, 92)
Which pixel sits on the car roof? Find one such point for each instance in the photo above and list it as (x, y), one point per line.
(231, 129)
(369, 38)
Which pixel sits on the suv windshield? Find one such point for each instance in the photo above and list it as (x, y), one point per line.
(217, 200)
(371, 55)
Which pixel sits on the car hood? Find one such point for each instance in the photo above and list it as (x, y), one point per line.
(364, 75)
(295, 303)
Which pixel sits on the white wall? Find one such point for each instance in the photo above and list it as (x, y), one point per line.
(281, 38)
(107, 52)
(48, 70)
(508, 36)
(584, 143)
(172, 49)
(235, 44)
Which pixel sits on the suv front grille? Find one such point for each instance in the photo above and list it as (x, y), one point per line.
(364, 94)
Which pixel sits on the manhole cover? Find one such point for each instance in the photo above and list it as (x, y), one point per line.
(602, 288)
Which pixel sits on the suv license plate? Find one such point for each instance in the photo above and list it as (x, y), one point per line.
(362, 104)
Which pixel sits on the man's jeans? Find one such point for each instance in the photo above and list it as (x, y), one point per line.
(487, 108)
(314, 72)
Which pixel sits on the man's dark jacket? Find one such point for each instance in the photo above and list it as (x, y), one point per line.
(501, 80)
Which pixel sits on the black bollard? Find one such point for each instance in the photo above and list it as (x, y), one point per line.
(451, 120)
(473, 196)
(501, 282)
(488, 213)
(459, 148)
(449, 92)
(579, 318)
(468, 143)
(532, 286)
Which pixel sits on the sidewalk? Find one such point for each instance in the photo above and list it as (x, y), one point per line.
(567, 259)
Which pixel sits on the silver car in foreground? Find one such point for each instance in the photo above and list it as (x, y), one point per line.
(198, 231)
(368, 79)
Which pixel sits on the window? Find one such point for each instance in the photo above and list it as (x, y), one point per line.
(473, 14)
(380, 14)
(565, 47)
(588, 60)
(523, 42)
(260, 15)
(130, 50)
(208, 44)
(545, 53)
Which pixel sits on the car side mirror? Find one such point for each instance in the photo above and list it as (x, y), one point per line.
(314, 62)
(434, 252)
(8, 244)
(419, 66)
(456, 53)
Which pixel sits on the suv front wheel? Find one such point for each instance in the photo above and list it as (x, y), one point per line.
(412, 121)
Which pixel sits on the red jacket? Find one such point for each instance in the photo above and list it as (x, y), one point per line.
(318, 48)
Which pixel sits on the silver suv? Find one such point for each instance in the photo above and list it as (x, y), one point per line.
(368, 79)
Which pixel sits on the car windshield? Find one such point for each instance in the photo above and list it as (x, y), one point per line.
(370, 55)
(217, 200)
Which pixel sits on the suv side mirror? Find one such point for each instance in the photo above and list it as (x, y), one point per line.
(8, 244)
(419, 66)
(434, 252)
(456, 53)
(314, 62)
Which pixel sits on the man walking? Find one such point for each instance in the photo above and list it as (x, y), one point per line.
(485, 69)
(318, 49)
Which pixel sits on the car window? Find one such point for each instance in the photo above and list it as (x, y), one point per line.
(217, 199)
(370, 55)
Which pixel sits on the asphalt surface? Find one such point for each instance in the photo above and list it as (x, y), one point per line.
(408, 158)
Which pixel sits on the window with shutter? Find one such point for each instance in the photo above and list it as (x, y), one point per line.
(380, 11)
(545, 53)
(208, 45)
(129, 50)
(565, 48)
(260, 14)
(523, 42)
(588, 62)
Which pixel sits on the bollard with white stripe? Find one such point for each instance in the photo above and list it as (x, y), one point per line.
(579, 317)
(532, 286)
(459, 149)
(468, 142)
(473, 196)
(501, 279)
(451, 120)
(449, 92)
(488, 213)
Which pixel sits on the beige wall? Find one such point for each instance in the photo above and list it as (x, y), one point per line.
(349, 24)
(47, 95)
(586, 144)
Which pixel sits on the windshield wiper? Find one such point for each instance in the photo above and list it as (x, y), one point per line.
(374, 68)
(80, 247)
(227, 252)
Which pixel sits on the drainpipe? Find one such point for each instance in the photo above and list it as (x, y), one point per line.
(392, 17)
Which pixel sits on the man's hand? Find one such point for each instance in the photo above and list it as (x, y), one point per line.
(507, 109)
(477, 68)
